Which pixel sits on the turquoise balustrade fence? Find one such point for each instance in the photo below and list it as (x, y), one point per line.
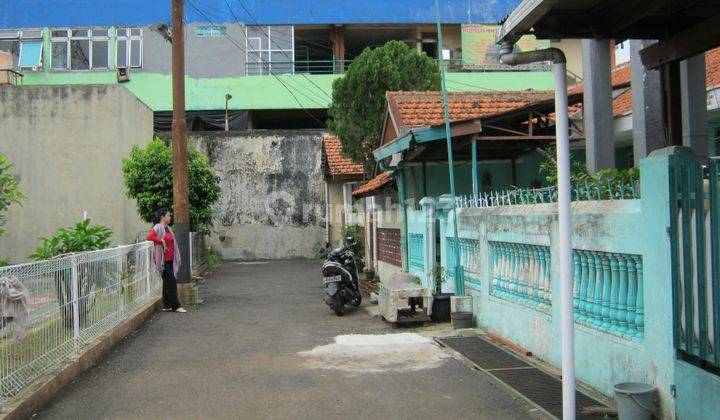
(521, 273)
(469, 261)
(608, 292)
(416, 253)
(450, 269)
(695, 249)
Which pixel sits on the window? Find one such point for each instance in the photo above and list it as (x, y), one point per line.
(24, 46)
(269, 49)
(129, 47)
(79, 49)
(30, 54)
(10, 42)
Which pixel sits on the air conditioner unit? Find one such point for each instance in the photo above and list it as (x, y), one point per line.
(123, 74)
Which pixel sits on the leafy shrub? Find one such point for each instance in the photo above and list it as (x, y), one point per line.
(148, 180)
(603, 184)
(79, 238)
(9, 192)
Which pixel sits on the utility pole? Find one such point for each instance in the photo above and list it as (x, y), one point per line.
(181, 210)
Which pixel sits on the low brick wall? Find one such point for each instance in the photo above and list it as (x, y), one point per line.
(389, 246)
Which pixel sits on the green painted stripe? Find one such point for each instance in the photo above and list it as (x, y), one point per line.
(266, 92)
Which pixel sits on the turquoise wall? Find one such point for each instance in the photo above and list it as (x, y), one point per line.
(602, 359)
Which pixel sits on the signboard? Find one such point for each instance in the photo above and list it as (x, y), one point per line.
(211, 30)
(479, 48)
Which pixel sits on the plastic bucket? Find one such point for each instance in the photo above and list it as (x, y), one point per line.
(635, 401)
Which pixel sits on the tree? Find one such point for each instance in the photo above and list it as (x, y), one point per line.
(358, 99)
(9, 192)
(148, 179)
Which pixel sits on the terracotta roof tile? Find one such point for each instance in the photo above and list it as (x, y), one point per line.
(373, 186)
(337, 164)
(419, 109)
(620, 74)
(712, 68)
(622, 104)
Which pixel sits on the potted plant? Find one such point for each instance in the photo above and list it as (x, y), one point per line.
(441, 301)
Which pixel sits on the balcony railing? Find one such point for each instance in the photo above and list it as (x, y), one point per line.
(297, 67)
(10, 77)
(340, 66)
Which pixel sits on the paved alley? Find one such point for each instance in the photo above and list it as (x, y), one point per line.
(237, 356)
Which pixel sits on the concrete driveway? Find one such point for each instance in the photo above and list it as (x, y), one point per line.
(264, 345)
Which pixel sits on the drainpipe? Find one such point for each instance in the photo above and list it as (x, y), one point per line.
(327, 213)
(564, 217)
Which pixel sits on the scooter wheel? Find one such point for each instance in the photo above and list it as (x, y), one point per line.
(357, 301)
(337, 305)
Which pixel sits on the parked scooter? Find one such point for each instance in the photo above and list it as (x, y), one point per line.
(341, 278)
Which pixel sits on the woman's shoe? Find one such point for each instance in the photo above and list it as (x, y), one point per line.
(166, 309)
(180, 310)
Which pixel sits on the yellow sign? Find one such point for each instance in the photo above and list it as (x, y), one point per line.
(479, 48)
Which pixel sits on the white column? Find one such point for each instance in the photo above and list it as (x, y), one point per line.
(694, 104)
(597, 105)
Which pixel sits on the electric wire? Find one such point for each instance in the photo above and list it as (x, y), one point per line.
(291, 59)
(241, 48)
(267, 66)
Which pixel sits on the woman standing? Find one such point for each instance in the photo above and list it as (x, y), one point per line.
(166, 255)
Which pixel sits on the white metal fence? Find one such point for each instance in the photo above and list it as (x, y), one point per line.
(72, 301)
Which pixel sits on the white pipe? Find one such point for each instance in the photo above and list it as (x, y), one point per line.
(327, 213)
(562, 143)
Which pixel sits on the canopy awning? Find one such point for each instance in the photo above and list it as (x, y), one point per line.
(683, 27)
(503, 135)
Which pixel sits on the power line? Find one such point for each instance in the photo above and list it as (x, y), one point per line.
(292, 59)
(234, 42)
(301, 39)
(269, 65)
(266, 66)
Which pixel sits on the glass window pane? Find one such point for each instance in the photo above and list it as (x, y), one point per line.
(121, 53)
(30, 54)
(135, 32)
(281, 37)
(281, 62)
(99, 32)
(135, 58)
(80, 32)
(100, 54)
(59, 55)
(253, 44)
(32, 34)
(13, 47)
(80, 54)
(59, 34)
(8, 34)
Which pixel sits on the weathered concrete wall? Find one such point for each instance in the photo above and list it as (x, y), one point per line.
(66, 144)
(273, 197)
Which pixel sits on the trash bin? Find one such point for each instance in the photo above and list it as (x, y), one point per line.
(635, 401)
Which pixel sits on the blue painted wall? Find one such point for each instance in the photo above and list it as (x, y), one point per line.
(42, 13)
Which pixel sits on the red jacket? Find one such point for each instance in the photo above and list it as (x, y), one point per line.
(169, 243)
